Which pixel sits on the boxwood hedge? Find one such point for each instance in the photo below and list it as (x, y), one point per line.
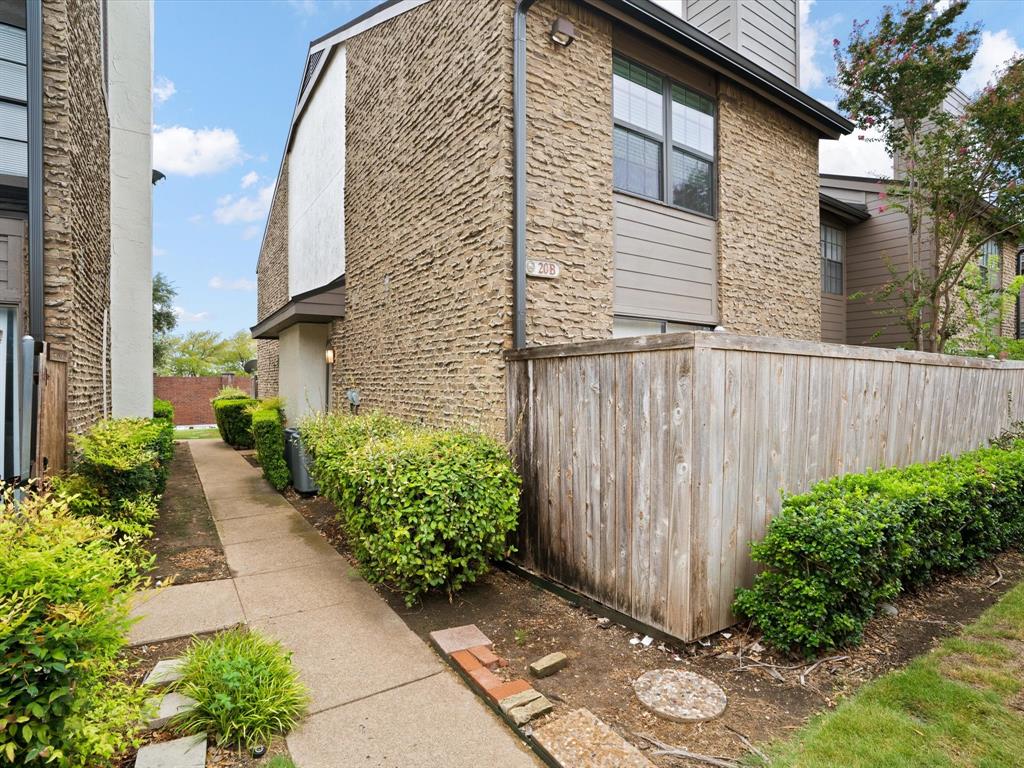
(268, 436)
(234, 420)
(424, 509)
(835, 552)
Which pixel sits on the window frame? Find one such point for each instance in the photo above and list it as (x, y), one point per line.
(992, 279)
(841, 244)
(668, 144)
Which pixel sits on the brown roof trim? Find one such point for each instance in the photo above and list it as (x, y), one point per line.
(848, 212)
(319, 305)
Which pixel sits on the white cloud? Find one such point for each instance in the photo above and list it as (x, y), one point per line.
(251, 232)
(249, 179)
(231, 210)
(995, 49)
(189, 152)
(163, 89)
(239, 284)
(195, 218)
(855, 155)
(184, 316)
(158, 252)
(303, 7)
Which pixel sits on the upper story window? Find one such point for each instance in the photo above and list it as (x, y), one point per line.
(833, 243)
(988, 264)
(13, 102)
(662, 130)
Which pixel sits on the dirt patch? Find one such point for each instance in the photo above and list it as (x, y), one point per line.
(185, 539)
(142, 659)
(767, 699)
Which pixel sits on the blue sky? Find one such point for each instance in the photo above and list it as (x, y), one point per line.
(226, 75)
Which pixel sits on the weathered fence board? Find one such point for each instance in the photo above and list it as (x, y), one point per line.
(649, 464)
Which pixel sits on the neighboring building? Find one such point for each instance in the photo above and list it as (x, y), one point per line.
(670, 176)
(864, 244)
(75, 173)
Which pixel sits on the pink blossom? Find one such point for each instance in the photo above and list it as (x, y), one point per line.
(835, 41)
(860, 137)
(883, 195)
(882, 209)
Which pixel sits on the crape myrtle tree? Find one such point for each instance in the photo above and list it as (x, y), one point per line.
(961, 174)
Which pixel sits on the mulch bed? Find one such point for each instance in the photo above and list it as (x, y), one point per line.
(185, 539)
(769, 696)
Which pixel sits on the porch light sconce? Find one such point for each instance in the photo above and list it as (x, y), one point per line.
(329, 356)
(562, 32)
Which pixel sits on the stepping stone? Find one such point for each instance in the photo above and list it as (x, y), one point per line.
(167, 706)
(165, 672)
(549, 664)
(459, 639)
(580, 739)
(189, 752)
(676, 694)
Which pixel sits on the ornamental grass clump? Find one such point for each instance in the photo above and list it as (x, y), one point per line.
(834, 553)
(246, 688)
(423, 509)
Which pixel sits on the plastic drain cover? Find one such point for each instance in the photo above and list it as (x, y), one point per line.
(676, 694)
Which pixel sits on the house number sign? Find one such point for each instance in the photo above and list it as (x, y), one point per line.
(546, 269)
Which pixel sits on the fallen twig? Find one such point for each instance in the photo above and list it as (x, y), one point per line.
(815, 665)
(661, 748)
(748, 744)
(999, 576)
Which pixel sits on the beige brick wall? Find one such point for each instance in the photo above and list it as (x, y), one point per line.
(569, 176)
(272, 282)
(768, 253)
(76, 191)
(428, 214)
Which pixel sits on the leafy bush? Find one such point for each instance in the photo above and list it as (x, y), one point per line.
(268, 436)
(163, 409)
(234, 420)
(128, 522)
(423, 509)
(835, 552)
(126, 458)
(229, 393)
(64, 605)
(245, 686)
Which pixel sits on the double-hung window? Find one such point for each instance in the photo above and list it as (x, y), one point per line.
(988, 264)
(662, 130)
(832, 244)
(13, 102)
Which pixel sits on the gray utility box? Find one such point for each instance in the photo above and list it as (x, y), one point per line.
(298, 462)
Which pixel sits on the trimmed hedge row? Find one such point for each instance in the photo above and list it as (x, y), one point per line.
(836, 552)
(268, 437)
(424, 509)
(234, 420)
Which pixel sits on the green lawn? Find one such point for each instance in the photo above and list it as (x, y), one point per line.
(195, 434)
(957, 706)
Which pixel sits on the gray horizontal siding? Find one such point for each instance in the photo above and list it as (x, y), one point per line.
(768, 36)
(664, 262)
(833, 318)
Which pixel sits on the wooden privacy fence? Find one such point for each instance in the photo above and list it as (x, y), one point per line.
(650, 463)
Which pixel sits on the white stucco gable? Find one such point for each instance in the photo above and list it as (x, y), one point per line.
(316, 184)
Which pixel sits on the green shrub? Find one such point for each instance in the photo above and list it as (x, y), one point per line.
(245, 686)
(229, 393)
(268, 436)
(126, 458)
(64, 614)
(423, 509)
(849, 543)
(234, 420)
(163, 409)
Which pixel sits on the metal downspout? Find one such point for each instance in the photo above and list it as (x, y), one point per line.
(519, 175)
(35, 169)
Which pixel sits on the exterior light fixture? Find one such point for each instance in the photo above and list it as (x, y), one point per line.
(329, 356)
(562, 32)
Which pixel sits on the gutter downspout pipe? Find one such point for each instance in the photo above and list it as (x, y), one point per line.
(34, 23)
(519, 175)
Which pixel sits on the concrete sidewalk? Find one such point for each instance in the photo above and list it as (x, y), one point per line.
(380, 696)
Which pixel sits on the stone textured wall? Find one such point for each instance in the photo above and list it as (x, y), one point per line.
(768, 250)
(76, 201)
(428, 215)
(272, 282)
(569, 176)
(1008, 264)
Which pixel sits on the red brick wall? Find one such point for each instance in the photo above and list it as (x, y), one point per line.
(191, 395)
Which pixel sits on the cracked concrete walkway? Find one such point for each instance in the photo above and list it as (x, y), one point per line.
(380, 696)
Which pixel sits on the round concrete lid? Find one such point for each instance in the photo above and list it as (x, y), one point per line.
(676, 694)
